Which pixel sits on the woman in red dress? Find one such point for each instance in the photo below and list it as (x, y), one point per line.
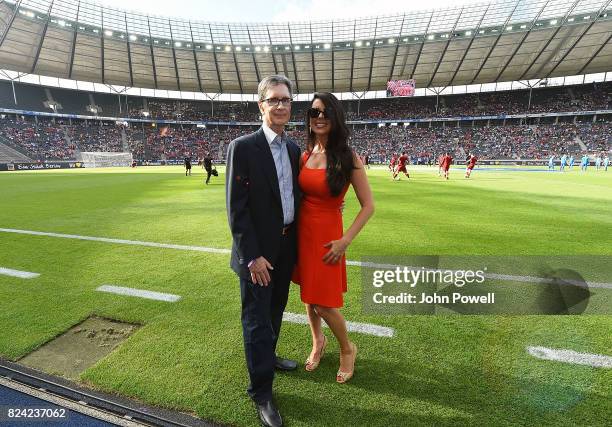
(328, 167)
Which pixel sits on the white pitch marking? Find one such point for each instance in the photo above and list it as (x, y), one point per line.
(528, 279)
(141, 293)
(571, 356)
(17, 273)
(120, 241)
(362, 328)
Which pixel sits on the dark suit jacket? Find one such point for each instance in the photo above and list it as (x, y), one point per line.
(254, 208)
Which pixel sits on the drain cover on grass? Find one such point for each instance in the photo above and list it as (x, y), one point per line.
(79, 348)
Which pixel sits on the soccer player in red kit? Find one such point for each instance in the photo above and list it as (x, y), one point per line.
(440, 160)
(470, 165)
(393, 162)
(402, 165)
(446, 162)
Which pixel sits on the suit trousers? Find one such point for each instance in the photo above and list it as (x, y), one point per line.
(262, 315)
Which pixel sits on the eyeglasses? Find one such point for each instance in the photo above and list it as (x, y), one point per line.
(313, 113)
(273, 102)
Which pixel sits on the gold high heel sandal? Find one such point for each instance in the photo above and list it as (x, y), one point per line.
(310, 365)
(342, 377)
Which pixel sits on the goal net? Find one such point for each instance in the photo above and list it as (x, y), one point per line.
(105, 160)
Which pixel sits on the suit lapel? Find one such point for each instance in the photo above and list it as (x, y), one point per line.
(267, 161)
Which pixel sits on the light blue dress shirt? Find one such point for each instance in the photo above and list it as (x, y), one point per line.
(280, 153)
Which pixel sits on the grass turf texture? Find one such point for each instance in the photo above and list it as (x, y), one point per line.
(438, 370)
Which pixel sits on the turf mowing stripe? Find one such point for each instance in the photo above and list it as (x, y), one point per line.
(17, 273)
(120, 241)
(361, 328)
(141, 293)
(571, 356)
(529, 279)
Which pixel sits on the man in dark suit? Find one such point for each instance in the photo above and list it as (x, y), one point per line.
(207, 163)
(262, 202)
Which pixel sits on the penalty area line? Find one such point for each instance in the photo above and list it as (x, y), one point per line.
(140, 293)
(17, 273)
(571, 356)
(118, 241)
(527, 279)
(361, 328)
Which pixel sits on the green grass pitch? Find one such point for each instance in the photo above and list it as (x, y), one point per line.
(437, 370)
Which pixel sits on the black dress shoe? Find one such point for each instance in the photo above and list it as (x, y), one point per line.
(285, 364)
(268, 414)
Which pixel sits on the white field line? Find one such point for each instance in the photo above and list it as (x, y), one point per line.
(17, 273)
(119, 241)
(140, 293)
(571, 356)
(528, 279)
(361, 328)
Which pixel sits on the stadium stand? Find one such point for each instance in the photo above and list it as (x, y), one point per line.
(594, 96)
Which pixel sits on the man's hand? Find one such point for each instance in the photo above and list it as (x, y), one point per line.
(259, 271)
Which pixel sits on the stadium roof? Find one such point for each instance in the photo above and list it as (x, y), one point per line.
(482, 43)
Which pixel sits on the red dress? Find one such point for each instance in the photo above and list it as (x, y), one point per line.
(319, 222)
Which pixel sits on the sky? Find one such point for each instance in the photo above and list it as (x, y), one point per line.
(276, 11)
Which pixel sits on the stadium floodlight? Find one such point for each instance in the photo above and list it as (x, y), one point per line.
(326, 45)
(266, 49)
(570, 20)
(307, 46)
(228, 48)
(209, 46)
(238, 48)
(257, 48)
(523, 26)
(297, 47)
(287, 47)
(367, 43)
(61, 23)
(468, 33)
(553, 22)
(30, 14)
(108, 33)
(391, 41)
(358, 44)
(178, 44)
(133, 38)
(509, 28)
(430, 37)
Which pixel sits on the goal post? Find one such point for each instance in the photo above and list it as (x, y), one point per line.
(105, 159)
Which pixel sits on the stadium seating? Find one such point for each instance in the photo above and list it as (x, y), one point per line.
(500, 139)
(544, 100)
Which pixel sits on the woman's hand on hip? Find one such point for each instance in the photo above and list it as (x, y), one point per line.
(336, 250)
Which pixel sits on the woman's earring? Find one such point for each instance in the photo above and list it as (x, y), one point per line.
(310, 129)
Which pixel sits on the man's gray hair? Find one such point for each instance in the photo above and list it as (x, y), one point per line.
(270, 81)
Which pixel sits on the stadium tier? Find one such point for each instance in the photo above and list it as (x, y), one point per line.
(60, 140)
(590, 97)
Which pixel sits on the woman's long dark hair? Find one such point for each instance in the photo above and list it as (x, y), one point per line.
(337, 151)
